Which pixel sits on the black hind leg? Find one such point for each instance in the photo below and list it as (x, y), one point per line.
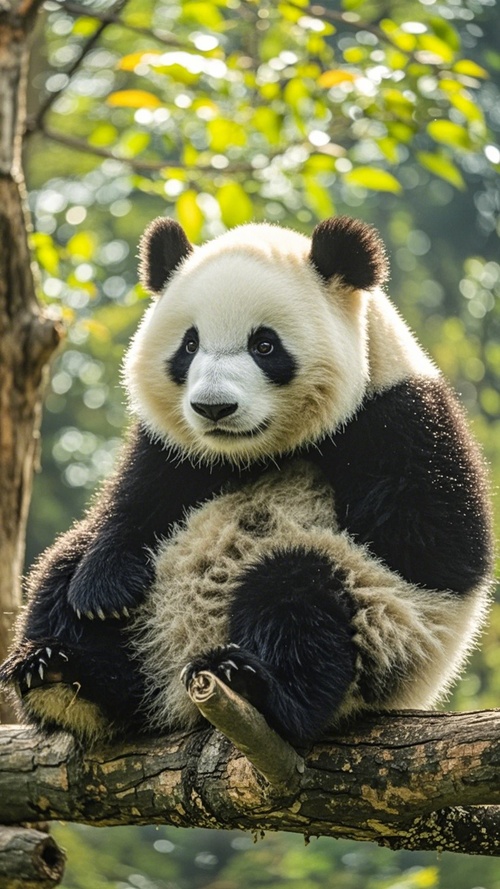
(295, 656)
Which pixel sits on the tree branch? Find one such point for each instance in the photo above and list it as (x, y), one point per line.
(404, 780)
(29, 858)
(276, 760)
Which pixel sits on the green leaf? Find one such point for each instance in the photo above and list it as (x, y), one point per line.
(469, 109)
(295, 92)
(449, 133)
(235, 205)
(441, 165)
(268, 122)
(402, 40)
(133, 143)
(317, 197)
(389, 148)
(46, 254)
(398, 104)
(373, 179)
(225, 134)
(400, 131)
(470, 69)
(446, 32)
(84, 27)
(189, 214)
(205, 14)
(103, 135)
(82, 245)
(437, 49)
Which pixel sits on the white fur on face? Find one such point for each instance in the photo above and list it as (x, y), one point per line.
(227, 290)
(345, 343)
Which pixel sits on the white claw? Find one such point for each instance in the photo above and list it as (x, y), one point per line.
(40, 671)
(125, 611)
(183, 672)
(49, 652)
(115, 614)
(90, 615)
(249, 668)
(232, 645)
(101, 614)
(64, 656)
(79, 614)
(227, 672)
(231, 664)
(28, 680)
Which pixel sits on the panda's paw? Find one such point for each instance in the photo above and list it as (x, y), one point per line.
(87, 606)
(38, 666)
(237, 667)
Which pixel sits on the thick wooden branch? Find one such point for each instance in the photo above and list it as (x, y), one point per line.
(406, 780)
(29, 859)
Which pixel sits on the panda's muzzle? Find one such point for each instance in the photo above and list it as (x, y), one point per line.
(214, 412)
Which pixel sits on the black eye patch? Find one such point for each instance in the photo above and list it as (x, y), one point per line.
(271, 356)
(178, 365)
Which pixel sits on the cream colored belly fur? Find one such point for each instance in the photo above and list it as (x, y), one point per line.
(414, 637)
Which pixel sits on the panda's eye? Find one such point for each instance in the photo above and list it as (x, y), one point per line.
(191, 346)
(263, 347)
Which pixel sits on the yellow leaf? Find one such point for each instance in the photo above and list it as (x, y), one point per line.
(133, 99)
(336, 76)
(131, 61)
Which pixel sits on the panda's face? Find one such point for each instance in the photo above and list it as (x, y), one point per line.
(247, 354)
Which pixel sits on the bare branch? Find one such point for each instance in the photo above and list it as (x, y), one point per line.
(276, 760)
(110, 17)
(34, 123)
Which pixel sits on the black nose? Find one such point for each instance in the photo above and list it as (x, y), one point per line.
(213, 411)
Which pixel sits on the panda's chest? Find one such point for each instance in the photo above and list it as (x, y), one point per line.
(198, 567)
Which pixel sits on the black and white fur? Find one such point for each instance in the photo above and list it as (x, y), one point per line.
(300, 507)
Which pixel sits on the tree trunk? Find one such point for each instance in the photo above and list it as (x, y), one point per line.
(27, 338)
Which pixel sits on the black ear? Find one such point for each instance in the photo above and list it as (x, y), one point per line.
(350, 249)
(162, 248)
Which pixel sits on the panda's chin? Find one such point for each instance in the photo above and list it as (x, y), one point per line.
(216, 432)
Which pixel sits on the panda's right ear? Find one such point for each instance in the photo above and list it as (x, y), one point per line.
(162, 248)
(350, 250)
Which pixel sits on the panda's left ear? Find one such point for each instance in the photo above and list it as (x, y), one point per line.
(351, 250)
(162, 248)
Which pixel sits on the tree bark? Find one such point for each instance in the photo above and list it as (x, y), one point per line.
(27, 338)
(29, 859)
(408, 780)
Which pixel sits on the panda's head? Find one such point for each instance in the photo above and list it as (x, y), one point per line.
(258, 341)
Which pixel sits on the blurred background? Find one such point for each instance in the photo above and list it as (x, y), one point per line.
(219, 113)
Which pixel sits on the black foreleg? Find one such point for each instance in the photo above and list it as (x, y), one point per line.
(295, 657)
(98, 669)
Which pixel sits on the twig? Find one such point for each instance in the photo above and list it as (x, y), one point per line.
(109, 17)
(232, 715)
(35, 122)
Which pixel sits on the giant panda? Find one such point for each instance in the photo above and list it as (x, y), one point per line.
(299, 508)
